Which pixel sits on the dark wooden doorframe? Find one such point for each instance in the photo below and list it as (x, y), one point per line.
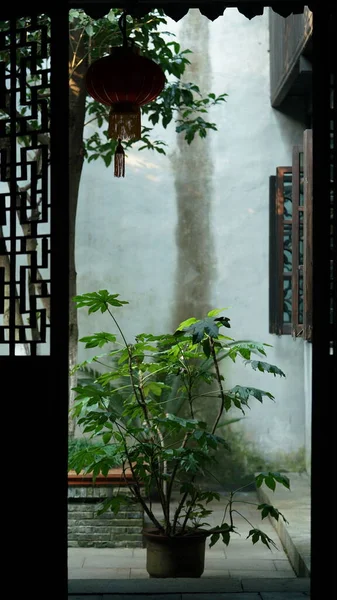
(34, 389)
(324, 360)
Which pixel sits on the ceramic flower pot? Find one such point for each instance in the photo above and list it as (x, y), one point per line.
(180, 556)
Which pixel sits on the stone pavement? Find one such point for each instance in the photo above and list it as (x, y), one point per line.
(239, 559)
(295, 505)
(191, 589)
(240, 571)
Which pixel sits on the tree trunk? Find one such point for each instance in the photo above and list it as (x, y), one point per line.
(77, 97)
(5, 264)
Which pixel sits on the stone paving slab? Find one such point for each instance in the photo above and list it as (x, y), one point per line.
(103, 552)
(285, 588)
(295, 505)
(135, 597)
(224, 596)
(132, 564)
(283, 565)
(95, 573)
(138, 574)
(267, 574)
(285, 595)
(113, 562)
(281, 596)
(296, 584)
(153, 586)
(83, 597)
(245, 564)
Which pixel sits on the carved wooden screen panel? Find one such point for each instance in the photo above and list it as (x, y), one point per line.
(25, 187)
(333, 221)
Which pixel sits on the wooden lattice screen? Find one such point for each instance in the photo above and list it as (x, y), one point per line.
(25, 227)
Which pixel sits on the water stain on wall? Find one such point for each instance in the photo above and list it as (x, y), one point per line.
(193, 171)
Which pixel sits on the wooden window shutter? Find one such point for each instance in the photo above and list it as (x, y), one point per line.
(297, 235)
(290, 244)
(274, 323)
(280, 251)
(307, 264)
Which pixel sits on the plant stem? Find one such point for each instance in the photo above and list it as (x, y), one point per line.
(218, 376)
(243, 487)
(170, 486)
(241, 515)
(136, 488)
(188, 512)
(179, 508)
(141, 401)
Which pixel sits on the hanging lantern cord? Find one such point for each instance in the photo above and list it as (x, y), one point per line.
(122, 27)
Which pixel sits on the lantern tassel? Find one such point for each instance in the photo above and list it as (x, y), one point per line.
(119, 160)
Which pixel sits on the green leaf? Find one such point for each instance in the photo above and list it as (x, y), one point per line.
(270, 479)
(265, 367)
(180, 422)
(215, 312)
(105, 378)
(257, 535)
(198, 434)
(124, 356)
(259, 480)
(98, 339)
(244, 392)
(269, 510)
(281, 478)
(187, 487)
(98, 301)
(113, 504)
(184, 324)
(206, 347)
(155, 387)
(214, 538)
(111, 16)
(201, 328)
(89, 30)
(106, 437)
(245, 353)
(224, 321)
(107, 159)
(270, 482)
(226, 537)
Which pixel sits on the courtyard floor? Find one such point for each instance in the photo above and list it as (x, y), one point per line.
(240, 571)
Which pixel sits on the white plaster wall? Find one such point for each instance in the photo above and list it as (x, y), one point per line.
(126, 229)
(253, 140)
(307, 396)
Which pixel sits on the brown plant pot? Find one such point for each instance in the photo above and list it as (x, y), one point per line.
(180, 556)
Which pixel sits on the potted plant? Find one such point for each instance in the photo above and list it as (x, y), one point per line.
(166, 452)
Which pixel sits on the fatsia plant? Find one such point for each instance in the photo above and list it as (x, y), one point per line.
(162, 450)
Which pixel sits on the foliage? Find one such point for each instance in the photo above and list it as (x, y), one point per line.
(180, 101)
(163, 450)
(83, 450)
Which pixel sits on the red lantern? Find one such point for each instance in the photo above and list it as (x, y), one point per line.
(125, 81)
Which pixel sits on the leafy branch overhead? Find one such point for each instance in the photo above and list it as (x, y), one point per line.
(180, 102)
(133, 406)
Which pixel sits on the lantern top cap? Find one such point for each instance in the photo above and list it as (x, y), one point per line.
(133, 49)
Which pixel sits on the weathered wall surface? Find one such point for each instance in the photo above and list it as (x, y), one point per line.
(189, 232)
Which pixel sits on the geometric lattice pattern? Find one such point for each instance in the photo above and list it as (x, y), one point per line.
(25, 187)
(333, 217)
(290, 242)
